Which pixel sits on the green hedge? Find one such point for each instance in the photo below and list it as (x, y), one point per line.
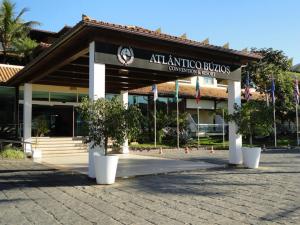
(147, 146)
(12, 153)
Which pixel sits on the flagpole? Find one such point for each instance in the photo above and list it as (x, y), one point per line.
(223, 126)
(155, 123)
(297, 128)
(274, 113)
(177, 125)
(275, 135)
(198, 139)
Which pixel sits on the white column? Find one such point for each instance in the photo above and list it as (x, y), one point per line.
(96, 90)
(124, 95)
(235, 140)
(27, 116)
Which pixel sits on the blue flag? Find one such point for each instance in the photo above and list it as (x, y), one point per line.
(273, 91)
(198, 93)
(154, 90)
(247, 88)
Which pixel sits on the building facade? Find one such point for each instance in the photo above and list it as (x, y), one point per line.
(98, 59)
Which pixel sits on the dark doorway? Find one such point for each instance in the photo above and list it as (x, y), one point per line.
(59, 119)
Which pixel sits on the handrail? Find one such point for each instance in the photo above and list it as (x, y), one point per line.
(24, 143)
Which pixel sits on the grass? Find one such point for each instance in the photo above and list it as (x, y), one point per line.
(148, 146)
(282, 141)
(207, 141)
(12, 153)
(217, 143)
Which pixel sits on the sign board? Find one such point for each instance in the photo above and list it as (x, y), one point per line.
(131, 57)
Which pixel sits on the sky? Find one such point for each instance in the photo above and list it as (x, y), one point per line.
(242, 23)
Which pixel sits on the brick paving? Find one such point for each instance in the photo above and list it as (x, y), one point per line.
(31, 193)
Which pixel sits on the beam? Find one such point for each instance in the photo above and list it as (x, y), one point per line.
(81, 61)
(58, 77)
(60, 61)
(68, 73)
(70, 67)
(63, 83)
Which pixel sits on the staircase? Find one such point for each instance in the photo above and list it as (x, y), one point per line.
(59, 146)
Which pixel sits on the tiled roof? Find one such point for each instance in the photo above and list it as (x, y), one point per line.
(167, 37)
(8, 71)
(168, 89)
(154, 34)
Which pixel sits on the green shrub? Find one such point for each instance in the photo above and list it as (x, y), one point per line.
(147, 146)
(12, 153)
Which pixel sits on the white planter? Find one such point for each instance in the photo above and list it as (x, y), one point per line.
(36, 154)
(105, 168)
(251, 157)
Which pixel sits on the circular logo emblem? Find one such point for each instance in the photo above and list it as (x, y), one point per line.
(125, 55)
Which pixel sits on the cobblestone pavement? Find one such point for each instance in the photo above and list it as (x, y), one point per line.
(34, 194)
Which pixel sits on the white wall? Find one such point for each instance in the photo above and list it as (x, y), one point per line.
(202, 82)
(203, 104)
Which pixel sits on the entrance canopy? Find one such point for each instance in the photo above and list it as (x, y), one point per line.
(109, 58)
(134, 58)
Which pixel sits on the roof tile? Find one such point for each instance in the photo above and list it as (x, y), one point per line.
(160, 35)
(8, 71)
(168, 89)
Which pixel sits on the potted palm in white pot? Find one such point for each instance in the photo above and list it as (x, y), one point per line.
(253, 118)
(108, 120)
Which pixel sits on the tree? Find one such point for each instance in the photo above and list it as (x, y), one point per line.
(252, 119)
(40, 126)
(162, 120)
(13, 28)
(274, 65)
(109, 119)
(24, 47)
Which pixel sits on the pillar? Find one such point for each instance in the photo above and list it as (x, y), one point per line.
(124, 97)
(96, 90)
(235, 140)
(27, 116)
(16, 112)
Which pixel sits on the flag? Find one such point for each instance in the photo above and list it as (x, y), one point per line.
(198, 94)
(247, 93)
(273, 91)
(296, 92)
(154, 90)
(176, 90)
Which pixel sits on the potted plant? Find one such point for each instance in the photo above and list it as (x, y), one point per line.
(252, 119)
(109, 120)
(41, 128)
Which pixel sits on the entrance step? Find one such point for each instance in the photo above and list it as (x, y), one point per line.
(61, 153)
(59, 147)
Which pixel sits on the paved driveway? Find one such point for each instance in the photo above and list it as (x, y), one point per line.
(34, 194)
(130, 165)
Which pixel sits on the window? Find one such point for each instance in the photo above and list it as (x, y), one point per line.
(21, 95)
(40, 96)
(208, 80)
(185, 80)
(137, 99)
(109, 96)
(63, 97)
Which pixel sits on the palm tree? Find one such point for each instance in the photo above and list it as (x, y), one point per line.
(12, 27)
(24, 47)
